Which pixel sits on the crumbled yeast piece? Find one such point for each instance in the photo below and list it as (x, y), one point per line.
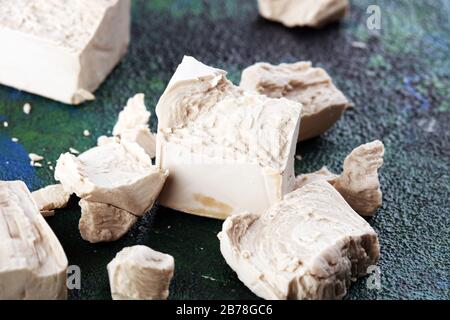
(133, 125)
(358, 183)
(35, 157)
(32, 262)
(101, 222)
(103, 140)
(227, 150)
(143, 137)
(133, 115)
(50, 198)
(120, 174)
(321, 175)
(76, 42)
(323, 104)
(311, 245)
(140, 273)
(27, 108)
(299, 13)
(74, 151)
(116, 182)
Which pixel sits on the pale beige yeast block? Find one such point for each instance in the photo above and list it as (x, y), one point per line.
(310, 245)
(323, 103)
(33, 264)
(227, 150)
(140, 273)
(62, 50)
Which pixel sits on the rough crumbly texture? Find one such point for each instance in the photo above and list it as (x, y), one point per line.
(67, 48)
(140, 273)
(70, 24)
(120, 174)
(133, 115)
(299, 13)
(143, 137)
(220, 142)
(33, 264)
(101, 222)
(133, 125)
(358, 183)
(320, 175)
(104, 140)
(311, 245)
(323, 104)
(51, 198)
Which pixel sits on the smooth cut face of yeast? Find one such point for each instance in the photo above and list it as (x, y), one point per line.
(227, 150)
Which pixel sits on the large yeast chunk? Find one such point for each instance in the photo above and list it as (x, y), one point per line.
(33, 264)
(62, 50)
(140, 273)
(311, 245)
(227, 150)
(323, 104)
(299, 13)
(120, 174)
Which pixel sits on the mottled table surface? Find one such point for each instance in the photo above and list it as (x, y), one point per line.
(399, 81)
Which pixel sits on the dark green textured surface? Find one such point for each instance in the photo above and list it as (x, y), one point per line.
(400, 85)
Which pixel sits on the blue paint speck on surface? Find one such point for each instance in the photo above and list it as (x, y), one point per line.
(434, 41)
(15, 163)
(408, 83)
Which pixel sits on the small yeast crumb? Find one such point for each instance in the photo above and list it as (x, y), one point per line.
(14, 140)
(86, 133)
(35, 157)
(74, 151)
(27, 108)
(359, 45)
